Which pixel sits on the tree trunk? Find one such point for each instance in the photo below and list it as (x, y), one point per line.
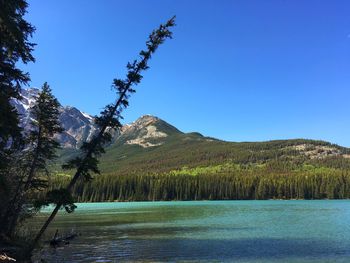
(155, 39)
(15, 207)
(43, 229)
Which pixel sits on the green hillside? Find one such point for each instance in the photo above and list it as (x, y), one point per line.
(192, 150)
(152, 160)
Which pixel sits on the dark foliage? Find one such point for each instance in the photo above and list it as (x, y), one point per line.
(15, 46)
(274, 180)
(31, 163)
(87, 162)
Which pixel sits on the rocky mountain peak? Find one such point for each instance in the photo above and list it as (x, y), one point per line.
(78, 126)
(28, 98)
(30, 92)
(146, 131)
(142, 121)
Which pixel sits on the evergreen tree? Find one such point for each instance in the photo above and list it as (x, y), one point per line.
(14, 46)
(40, 148)
(109, 119)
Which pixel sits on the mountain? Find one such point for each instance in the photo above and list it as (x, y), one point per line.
(149, 159)
(147, 131)
(153, 145)
(78, 126)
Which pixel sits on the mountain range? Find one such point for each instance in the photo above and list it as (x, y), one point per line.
(151, 144)
(79, 126)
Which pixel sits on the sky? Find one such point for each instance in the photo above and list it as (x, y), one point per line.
(234, 70)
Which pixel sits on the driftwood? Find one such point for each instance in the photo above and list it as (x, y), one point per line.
(5, 257)
(64, 240)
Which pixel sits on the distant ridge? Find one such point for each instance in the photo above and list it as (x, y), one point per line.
(151, 144)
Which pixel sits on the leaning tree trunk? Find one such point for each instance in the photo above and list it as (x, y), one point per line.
(15, 206)
(124, 88)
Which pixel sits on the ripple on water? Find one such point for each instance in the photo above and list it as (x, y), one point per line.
(239, 231)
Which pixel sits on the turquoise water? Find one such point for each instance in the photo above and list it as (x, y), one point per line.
(205, 231)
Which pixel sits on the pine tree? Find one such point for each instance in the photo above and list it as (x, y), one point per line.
(40, 148)
(14, 35)
(14, 47)
(109, 119)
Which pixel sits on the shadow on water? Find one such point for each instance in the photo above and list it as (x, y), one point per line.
(269, 231)
(263, 249)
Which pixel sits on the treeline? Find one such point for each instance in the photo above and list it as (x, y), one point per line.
(238, 184)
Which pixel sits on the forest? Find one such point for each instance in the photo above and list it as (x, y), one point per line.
(191, 167)
(273, 180)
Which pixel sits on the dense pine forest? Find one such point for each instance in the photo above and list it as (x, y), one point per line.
(242, 183)
(202, 169)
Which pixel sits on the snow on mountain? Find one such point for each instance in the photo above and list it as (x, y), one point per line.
(146, 131)
(78, 126)
(23, 105)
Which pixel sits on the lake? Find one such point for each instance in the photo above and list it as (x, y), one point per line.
(205, 231)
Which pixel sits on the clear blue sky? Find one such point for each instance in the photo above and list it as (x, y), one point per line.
(235, 70)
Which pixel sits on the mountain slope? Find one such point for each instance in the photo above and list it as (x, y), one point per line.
(150, 159)
(193, 150)
(146, 131)
(151, 145)
(193, 167)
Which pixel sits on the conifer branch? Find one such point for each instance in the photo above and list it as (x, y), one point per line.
(109, 118)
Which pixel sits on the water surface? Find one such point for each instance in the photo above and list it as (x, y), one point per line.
(205, 231)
